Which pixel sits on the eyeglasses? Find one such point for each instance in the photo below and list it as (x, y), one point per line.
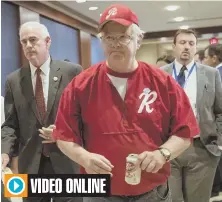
(32, 41)
(113, 39)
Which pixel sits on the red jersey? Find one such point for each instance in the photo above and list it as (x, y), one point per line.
(155, 107)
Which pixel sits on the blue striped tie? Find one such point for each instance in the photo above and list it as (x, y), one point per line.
(181, 76)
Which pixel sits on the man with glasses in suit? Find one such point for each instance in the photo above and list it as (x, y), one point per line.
(122, 106)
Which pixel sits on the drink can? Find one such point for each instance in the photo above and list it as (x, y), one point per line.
(133, 171)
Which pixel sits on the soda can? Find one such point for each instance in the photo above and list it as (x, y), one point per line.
(133, 172)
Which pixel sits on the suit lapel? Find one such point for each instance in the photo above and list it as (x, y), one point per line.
(27, 90)
(54, 80)
(201, 82)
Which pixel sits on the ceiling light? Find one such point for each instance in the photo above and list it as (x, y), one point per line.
(179, 19)
(172, 8)
(163, 39)
(80, 1)
(184, 27)
(93, 8)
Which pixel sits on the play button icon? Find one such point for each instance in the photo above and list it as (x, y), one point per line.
(16, 185)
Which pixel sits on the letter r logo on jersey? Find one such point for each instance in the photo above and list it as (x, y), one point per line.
(149, 97)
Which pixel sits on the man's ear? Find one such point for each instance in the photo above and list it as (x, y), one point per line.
(214, 59)
(139, 41)
(48, 42)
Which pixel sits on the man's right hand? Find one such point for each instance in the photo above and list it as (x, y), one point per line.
(97, 164)
(5, 160)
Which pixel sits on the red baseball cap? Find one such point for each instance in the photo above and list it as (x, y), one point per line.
(118, 13)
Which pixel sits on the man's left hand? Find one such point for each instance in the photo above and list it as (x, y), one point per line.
(46, 133)
(151, 161)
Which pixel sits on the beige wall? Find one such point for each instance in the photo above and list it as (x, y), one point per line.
(150, 51)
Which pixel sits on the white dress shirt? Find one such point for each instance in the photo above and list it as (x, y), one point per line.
(190, 86)
(45, 78)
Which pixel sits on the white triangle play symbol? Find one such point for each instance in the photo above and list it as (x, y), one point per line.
(16, 185)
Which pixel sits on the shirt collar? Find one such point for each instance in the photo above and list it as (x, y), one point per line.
(220, 65)
(45, 67)
(178, 66)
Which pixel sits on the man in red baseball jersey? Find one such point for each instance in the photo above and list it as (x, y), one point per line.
(123, 106)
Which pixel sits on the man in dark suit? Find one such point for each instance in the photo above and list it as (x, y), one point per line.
(192, 173)
(199, 56)
(31, 100)
(213, 58)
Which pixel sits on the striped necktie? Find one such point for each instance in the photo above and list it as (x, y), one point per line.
(181, 76)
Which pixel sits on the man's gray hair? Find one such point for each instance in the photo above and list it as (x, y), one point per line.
(34, 24)
(139, 34)
(137, 30)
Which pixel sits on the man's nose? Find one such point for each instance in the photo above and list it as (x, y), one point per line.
(116, 45)
(187, 46)
(28, 44)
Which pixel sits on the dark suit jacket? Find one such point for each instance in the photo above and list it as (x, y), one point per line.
(20, 130)
(209, 105)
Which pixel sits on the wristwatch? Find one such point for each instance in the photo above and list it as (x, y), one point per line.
(166, 153)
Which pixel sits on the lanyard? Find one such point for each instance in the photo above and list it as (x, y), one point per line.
(190, 72)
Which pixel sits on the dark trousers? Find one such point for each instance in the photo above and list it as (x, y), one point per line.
(159, 194)
(192, 174)
(217, 186)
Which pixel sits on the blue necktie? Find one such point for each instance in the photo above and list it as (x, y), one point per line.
(181, 76)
